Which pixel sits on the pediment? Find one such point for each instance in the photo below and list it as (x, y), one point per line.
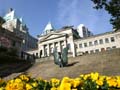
(53, 36)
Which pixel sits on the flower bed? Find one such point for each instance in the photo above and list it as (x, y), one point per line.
(92, 81)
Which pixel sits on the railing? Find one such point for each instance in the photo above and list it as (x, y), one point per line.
(28, 57)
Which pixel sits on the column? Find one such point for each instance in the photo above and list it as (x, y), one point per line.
(43, 49)
(53, 47)
(59, 47)
(48, 50)
(73, 49)
(65, 44)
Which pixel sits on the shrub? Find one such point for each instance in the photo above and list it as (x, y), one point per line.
(12, 52)
(3, 49)
(92, 81)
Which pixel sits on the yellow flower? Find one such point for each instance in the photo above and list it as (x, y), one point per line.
(53, 88)
(81, 76)
(102, 78)
(118, 83)
(34, 84)
(55, 82)
(2, 88)
(15, 85)
(99, 82)
(94, 76)
(17, 80)
(65, 86)
(112, 82)
(24, 77)
(28, 87)
(86, 76)
(76, 82)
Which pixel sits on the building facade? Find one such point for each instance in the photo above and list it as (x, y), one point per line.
(78, 41)
(59, 39)
(83, 31)
(10, 40)
(20, 29)
(98, 43)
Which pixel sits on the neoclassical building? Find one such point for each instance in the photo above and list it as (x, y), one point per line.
(78, 41)
(59, 39)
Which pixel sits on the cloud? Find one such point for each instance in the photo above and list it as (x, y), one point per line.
(75, 12)
(68, 12)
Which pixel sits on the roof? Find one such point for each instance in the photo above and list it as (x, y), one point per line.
(106, 33)
(48, 27)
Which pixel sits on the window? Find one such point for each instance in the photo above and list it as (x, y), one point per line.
(112, 39)
(80, 45)
(95, 42)
(102, 49)
(113, 46)
(14, 43)
(90, 44)
(85, 44)
(37, 54)
(91, 51)
(108, 48)
(97, 50)
(101, 41)
(86, 52)
(68, 45)
(106, 40)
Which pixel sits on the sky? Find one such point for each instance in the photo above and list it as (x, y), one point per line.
(37, 13)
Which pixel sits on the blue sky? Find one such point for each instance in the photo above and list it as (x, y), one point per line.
(37, 13)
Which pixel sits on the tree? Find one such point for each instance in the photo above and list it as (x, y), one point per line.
(113, 8)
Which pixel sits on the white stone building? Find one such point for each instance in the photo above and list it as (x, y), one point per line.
(83, 31)
(98, 43)
(58, 39)
(77, 41)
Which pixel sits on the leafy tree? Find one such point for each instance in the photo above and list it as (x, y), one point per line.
(113, 8)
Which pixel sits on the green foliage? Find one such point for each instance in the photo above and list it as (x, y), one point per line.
(43, 85)
(85, 82)
(89, 85)
(113, 8)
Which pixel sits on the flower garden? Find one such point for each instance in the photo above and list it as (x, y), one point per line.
(92, 81)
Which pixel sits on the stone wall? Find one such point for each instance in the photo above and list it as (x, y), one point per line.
(100, 57)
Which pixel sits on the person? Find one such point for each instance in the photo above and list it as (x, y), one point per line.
(40, 53)
(60, 60)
